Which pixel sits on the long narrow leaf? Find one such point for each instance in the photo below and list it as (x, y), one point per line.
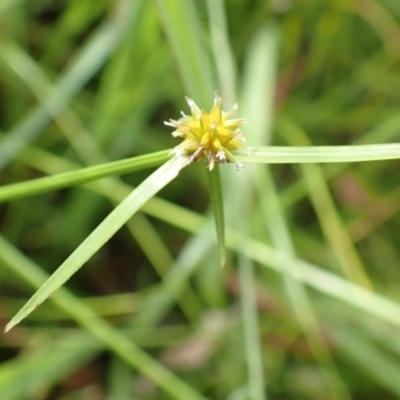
(40, 185)
(111, 224)
(217, 204)
(258, 105)
(251, 327)
(318, 154)
(114, 339)
(183, 28)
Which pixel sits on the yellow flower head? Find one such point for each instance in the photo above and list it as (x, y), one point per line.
(212, 135)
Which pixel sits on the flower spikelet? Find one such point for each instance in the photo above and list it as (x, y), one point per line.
(212, 134)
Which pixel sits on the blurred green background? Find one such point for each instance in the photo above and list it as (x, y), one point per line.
(84, 82)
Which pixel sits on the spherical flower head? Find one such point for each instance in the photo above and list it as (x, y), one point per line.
(212, 134)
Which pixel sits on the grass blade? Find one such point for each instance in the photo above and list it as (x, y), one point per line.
(256, 384)
(217, 204)
(318, 154)
(223, 54)
(72, 178)
(116, 341)
(103, 233)
(87, 63)
(370, 358)
(182, 25)
(258, 105)
(50, 364)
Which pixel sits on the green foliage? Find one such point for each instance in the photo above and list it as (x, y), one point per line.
(306, 305)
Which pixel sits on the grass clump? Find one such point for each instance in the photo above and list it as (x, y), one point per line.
(306, 305)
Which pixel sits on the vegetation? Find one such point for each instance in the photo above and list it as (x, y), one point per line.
(193, 277)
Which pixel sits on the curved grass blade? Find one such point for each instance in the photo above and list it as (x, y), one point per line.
(217, 204)
(111, 224)
(72, 178)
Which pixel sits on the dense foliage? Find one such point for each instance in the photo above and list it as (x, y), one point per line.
(307, 306)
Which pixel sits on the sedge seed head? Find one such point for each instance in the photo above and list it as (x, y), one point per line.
(212, 135)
